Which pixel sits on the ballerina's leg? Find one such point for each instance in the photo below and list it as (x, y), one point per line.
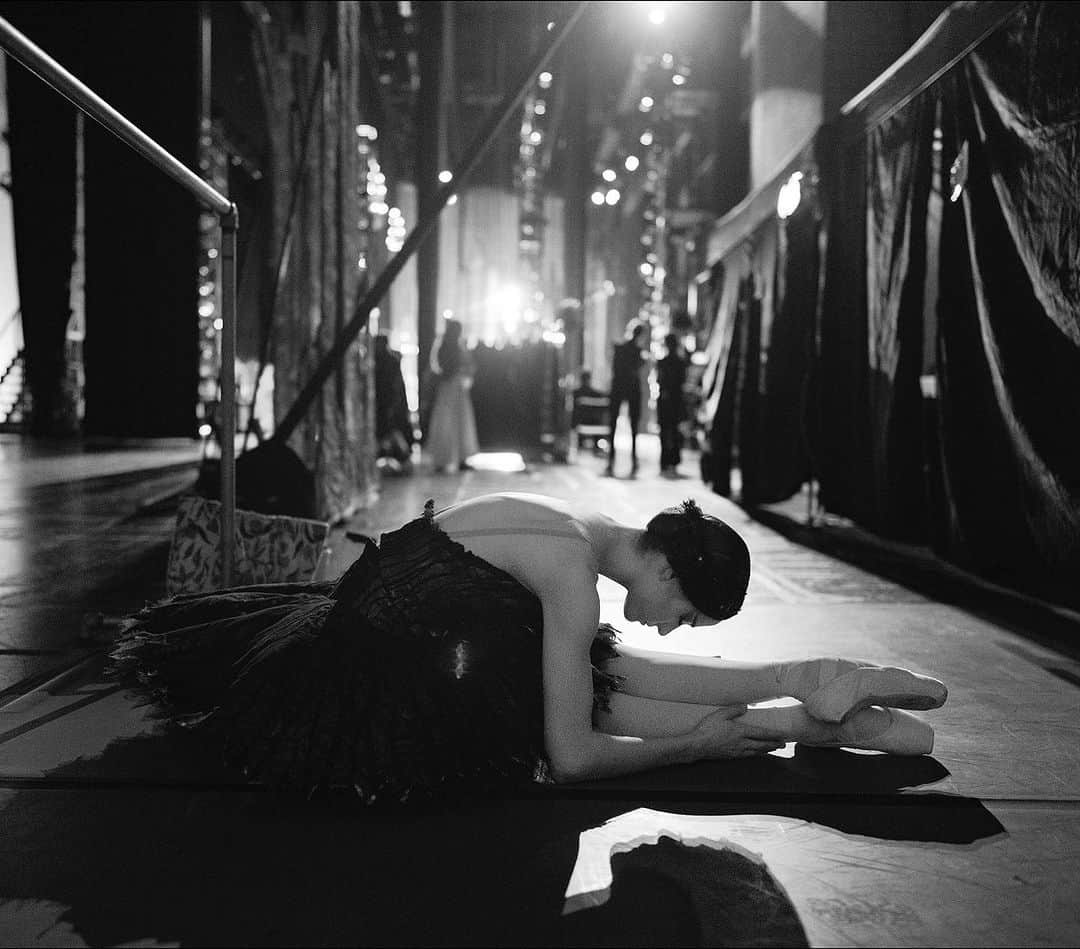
(874, 729)
(832, 688)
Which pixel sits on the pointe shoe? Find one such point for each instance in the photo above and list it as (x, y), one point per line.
(845, 687)
(882, 729)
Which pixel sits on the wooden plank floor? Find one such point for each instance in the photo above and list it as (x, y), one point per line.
(109, 840)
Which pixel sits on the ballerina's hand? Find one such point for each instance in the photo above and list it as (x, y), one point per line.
(721, 735)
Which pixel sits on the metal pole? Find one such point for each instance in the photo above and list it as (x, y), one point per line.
(227, 432)
(85, 99)
(332, 359)
(48, 69)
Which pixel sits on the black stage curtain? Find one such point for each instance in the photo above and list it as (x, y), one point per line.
(1010, 307)
(842, 438)
(718, 380)
(868, 438)
(513, 392)
(899, 165)
(141, 228)
(782, 463)
(42, 129)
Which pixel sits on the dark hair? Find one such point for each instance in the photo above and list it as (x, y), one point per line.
(709, 558)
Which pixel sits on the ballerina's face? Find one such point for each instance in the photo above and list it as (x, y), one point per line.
(656, 599)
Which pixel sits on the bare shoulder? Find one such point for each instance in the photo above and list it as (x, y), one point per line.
(543, 542)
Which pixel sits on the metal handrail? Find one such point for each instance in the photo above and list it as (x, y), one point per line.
(48, 69)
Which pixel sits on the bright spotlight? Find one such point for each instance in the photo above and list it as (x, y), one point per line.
(657, 14)
(787, 201)
(544, 79)
(646, 138)
(608, 174)
(678, 79)
(446, 176)
(612, 197)
(597, 197)
(631, 162)
(646, 103)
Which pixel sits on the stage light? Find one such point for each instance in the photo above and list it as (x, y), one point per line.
(544, 79)
(646, 103)
(598, 197)
(540, 107)
(446, 176)
(678, 79)
(608, 174)
(657, 14)
(787, 201)
(631, 162)
(612, 197)
(646, 138)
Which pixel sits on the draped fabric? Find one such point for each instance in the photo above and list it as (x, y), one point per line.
(416, 674)
(1010, 307)
(782, 462)
(718, 381)
(42, 154)
(983, 297)
(843, 459)
(898, 160)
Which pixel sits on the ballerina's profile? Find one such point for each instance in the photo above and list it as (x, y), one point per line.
(465, 649)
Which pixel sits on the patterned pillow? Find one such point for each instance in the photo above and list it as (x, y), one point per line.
(269, 548)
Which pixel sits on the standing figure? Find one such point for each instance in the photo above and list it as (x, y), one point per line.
(393, 422)
(452, 427)
(626, 386)
(671, 406)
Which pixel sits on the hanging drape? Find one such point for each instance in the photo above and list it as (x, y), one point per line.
(1010, 306)
(899, 164)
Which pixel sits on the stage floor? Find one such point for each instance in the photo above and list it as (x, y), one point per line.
(114, 833)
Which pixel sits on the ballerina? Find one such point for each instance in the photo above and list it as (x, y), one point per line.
(465, 650)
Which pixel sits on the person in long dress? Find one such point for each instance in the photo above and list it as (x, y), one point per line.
(464, 650)
(452, 426)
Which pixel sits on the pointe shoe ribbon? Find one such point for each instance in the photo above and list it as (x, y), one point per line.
(845, 687)
(902, 734)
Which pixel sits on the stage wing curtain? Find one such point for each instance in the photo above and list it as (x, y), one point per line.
(899, 167)
(43, 197)
(842, 438)
(1010, 310)
(718, 380)
(783, 463)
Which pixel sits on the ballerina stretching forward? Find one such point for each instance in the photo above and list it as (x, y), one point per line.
(466, 648)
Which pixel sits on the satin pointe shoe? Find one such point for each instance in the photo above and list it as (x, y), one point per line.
(882, 729)
(844, 687)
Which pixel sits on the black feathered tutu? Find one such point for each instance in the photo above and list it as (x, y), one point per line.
(418, 672)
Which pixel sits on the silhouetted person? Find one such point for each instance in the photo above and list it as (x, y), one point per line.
(393, 423)
(452, 427)
(626, 386)
(671, 405)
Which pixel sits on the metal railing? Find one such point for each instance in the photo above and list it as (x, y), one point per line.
(48, 69)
